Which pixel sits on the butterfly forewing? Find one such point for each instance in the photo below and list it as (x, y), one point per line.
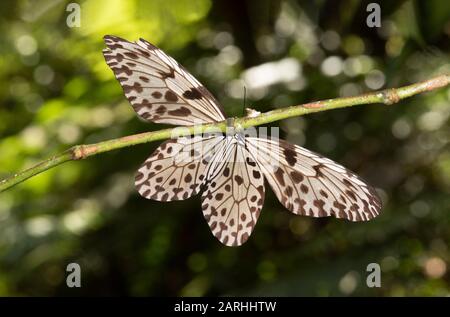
(234, 194)
(159, 89)
(311, 185)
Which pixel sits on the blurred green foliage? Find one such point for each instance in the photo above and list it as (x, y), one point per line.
(57, 91)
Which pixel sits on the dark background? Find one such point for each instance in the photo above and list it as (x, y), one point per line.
(56, 91)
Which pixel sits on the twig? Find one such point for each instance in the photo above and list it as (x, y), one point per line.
(78, 152)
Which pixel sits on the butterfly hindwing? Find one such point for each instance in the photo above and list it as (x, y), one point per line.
(159, 89)
(177, 168)
(311, 185)
(234, 194)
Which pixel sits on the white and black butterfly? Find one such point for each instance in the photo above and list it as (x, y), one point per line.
(229, 169)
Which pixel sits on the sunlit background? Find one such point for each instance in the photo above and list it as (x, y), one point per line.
(56, 91)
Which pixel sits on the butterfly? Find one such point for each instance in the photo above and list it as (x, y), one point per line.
(229, 169)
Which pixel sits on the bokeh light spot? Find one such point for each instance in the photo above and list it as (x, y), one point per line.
(26, 45)
(349, 282)
(332, 66)
(435, 267)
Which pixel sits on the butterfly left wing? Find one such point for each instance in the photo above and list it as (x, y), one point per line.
(311, 185)
(177, 169)
(234, 194)
(159, 89)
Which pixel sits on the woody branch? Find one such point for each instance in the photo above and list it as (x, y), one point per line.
(79, 152)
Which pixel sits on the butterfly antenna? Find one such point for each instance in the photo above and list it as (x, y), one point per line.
(245, 99)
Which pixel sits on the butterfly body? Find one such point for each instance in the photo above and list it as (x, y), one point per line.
(228, 169)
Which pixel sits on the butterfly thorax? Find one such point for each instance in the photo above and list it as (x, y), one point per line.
(235, 134)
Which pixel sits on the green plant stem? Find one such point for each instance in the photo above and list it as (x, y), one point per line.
(78, 152)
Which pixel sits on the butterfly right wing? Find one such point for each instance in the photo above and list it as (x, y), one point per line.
(234, 194)
(177, 168)
(159, 89)
(311, 185)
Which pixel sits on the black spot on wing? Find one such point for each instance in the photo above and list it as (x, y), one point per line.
(170, 74)
(290, 156)
(192, 94)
